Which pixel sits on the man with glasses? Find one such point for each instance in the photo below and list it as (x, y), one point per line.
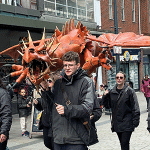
(123, 102)
(74, 96)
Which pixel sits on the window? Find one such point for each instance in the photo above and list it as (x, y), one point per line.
(122, 10)
(110, 10)
(133, 10)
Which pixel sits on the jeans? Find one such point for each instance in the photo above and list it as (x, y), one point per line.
(124, 138)
(3, 145)
(70, 147)
(147, 99)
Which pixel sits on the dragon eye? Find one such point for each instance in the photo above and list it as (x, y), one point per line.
(44, 51)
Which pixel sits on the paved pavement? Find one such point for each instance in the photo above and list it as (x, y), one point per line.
(140, 139)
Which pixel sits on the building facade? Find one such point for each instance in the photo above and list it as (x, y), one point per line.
(132, 16)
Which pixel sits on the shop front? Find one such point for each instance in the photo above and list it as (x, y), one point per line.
(129, 64)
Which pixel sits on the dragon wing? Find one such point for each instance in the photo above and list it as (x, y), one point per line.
(126, 39)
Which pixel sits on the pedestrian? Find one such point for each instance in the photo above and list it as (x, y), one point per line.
(24, 104)
(5, 116)
(124, 105)
(73, 96)
(43, 104)
(145, 88)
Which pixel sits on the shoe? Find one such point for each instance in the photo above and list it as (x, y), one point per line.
(25, 134)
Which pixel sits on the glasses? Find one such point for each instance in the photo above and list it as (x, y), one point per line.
(49, 81)
(69, 65)
(119, 77)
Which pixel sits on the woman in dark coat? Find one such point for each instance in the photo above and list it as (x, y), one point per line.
(5, 116)
(123, 102)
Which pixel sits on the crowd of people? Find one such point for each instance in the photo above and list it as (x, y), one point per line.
(70, 107)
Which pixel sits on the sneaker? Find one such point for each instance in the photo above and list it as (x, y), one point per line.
(26, 133)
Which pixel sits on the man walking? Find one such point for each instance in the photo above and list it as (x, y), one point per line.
(74, 96)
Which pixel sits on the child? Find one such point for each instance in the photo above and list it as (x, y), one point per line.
(24, 104)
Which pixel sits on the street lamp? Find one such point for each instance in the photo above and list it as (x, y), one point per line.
(116, 32)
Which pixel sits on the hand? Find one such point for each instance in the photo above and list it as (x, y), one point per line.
(28, 105)
(106, 92)
(60, 109)
(91, 117)
(35, 101)
(3, 138)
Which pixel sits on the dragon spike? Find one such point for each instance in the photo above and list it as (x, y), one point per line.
(24, 44)
(30, 40)
(73, 26)
(20, 53)
(70, 27)
(50, 45)
(63, 32)
(56, 48)
(43, 39)
(57, 31)
(78, 25)
(66, 27)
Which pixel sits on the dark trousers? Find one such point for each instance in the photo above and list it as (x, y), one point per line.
(48, 141)
(70, 147)
(147, 99)
(3, 145)
(124, 138)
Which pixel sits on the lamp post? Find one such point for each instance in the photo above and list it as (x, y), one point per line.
(116, 32)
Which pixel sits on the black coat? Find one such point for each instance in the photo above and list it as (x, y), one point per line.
(5, 112)
(128, 112)
(22, 102)
(80, 91)
(45, 104)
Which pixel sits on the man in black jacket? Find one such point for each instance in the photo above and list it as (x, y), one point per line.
(74, 108)
(123, 102)
(5, 116)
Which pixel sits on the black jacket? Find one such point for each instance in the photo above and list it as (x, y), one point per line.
(23, 110)
(5, 112)
(45, 104)
(81, 93)
(128, 112)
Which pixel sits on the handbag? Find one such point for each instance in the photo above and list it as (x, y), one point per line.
(93, 135)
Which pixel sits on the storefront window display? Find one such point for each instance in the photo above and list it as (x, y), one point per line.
(129, 64)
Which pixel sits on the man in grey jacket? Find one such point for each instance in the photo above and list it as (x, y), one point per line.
(74, 109)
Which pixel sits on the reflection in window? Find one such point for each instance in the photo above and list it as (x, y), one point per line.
(78, 9)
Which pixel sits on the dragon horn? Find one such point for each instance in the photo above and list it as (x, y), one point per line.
(54, 58)
(56, 48)
(78, 25)
(70, 27)
(73, 26)
(63, 32)
(24, 44)
(30, 40)
(43, 39)
(20, 53)
(50, 45)
(66, 27)
(57, 31)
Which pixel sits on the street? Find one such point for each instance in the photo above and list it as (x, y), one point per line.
(140, 139)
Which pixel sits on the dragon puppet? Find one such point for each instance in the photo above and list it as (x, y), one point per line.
(41, 57)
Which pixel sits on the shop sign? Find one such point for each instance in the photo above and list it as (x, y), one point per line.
(117, 49)
(126, 55)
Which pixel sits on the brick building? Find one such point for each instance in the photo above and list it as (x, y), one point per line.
(132, 16)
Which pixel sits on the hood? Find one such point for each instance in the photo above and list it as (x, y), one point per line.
(115, 87)
(80, 73)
